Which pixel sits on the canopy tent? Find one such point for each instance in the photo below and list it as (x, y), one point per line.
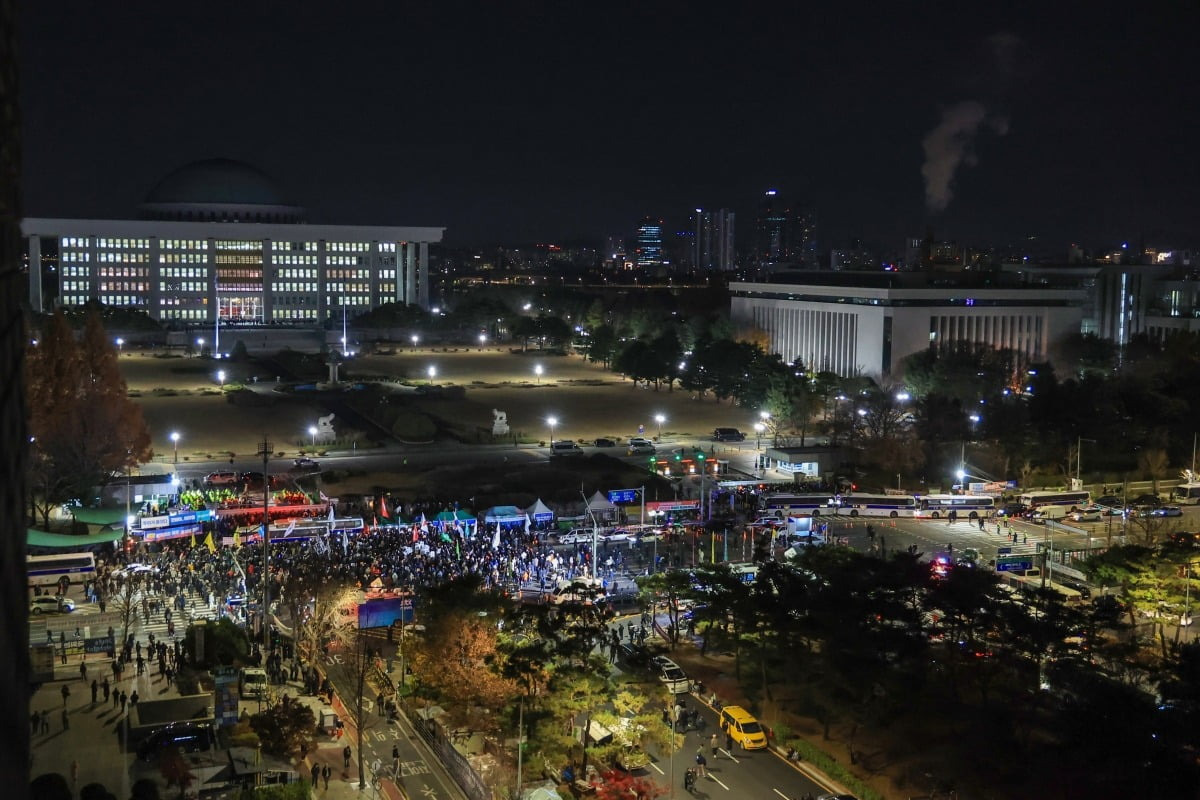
(505, 515)
(540, 512)
(99, 516)
(598, 504)
(457, 515)
(36, 538)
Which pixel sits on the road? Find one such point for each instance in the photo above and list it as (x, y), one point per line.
(421, 775)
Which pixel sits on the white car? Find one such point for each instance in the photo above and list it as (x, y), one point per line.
(1087, 515)
(577, 536)
(639, 446)
(51, 605)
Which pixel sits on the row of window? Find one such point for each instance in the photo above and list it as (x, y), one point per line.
(183, 258)
(123, 286)
(346, 261)
(349, 288)
(360, 274)
(124, 258)
(283, 247)
(346, 300)
(183, 286)
(348, 247)
(183, 313)
(70, 255)
(289, 286)
(237, 244)
(289, 259)
(182, 272)
(123, 272)
(122, 244)
(293, 313)
(183, 244)
(239, 259)
(296, 273)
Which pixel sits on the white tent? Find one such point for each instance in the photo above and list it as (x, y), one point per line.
(598, 504)
(540, 512)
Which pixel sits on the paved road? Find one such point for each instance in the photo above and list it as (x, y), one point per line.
(420, 773)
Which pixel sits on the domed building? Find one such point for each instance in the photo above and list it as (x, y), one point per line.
(219, 243)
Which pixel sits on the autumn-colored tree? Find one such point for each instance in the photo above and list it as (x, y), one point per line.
(284, 728)
(618, 785)
(83, 426)
(460, 660)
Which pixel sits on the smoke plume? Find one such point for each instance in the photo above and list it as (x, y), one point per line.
(948, 146)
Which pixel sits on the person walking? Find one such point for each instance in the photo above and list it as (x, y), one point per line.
(83, 671)
(395, 760)
(124, 698)
(95, 690)
(316, 774)
(66, 720)
(325, 773)
(346, 753)
(701, 762)
(65, 694)
(133, 699)
(714, 743)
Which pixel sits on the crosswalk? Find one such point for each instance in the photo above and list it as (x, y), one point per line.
(86, 626)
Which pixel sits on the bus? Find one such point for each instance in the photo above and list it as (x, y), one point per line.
(797, 505)
(876, 505)
(1186, 494)
(51, 571)
(1067, 500)
(972, 506)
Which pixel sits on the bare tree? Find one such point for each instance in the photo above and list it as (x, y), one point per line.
(1154, 462)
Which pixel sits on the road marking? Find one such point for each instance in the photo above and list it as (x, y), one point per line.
(408, 768)
(429, 792)
(781, 794)
(718, 780)
(726, 752)
(660, 772)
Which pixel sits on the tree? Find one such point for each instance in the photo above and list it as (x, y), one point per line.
(176, 770)
(284, 728)
(1154, 462)
(618, 785)
(83, 427)
(459, 658)
(603, 344)
(670, 587)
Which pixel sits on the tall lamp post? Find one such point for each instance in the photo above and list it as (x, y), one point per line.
(120, 345)
(221, 377)
(175, 442)
(432, 371)
(660, 419)
(552, 421)
(1079, 459)
(537, 370)
(312, 431)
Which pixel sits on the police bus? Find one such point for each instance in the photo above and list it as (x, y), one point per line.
(1067, 501)
(876, 505)
(797, 505)
(48, 571)
(971, 506)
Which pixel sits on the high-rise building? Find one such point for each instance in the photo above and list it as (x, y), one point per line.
(713, 248)
(649, 252)
(784, 234)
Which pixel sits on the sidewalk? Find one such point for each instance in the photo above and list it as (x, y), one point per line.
(343, 780)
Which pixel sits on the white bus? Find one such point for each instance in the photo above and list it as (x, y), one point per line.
(1187, 494)
(47, 571)
(1067, 500)
(797, 505)
(971, 506)
(877, 505)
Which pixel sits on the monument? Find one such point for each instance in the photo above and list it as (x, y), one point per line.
(499, 423)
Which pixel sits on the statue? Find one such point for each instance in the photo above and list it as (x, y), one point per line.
(499, 423)
(325, 430)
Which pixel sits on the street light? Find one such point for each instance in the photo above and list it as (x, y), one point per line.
(221, 377)
(200, 345)
(482, 340)
(432, 374)
(175, 441)
(1079, 459)
(312, 431)
(552, 421)
(758, 432)
(537, 370)
(660, 419)
(120, 344)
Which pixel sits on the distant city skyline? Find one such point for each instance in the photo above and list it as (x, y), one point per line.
(991, 126)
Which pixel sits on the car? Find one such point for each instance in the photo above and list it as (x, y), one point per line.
(1110, 501)
(134, 569)
(51, 605)
(188, 737)
(604, 441)
(565, 448)
(633, 656)
(251, 477)
(743, 728)
(672, 675)
(576, 536)
(639, 446)
(1167, 511)
(1088, 514)
(305, 464)
(1011, 510)
(651, 535)
(221, 478)
(1146, 500)
(728, 435)
(834, 796)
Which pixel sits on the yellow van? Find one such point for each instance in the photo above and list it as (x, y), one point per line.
(744, 728)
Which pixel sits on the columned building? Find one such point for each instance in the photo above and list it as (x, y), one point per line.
(218, 241)
(869, 323)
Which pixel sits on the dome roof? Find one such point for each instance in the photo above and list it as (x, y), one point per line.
(217, 181)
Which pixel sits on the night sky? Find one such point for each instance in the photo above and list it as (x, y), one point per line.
(519, 122)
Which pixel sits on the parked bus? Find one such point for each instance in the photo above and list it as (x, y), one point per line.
(971, 506)
(1187, 494)
(50, 571)
(1067, 500)
(797, 505)
(877, 505)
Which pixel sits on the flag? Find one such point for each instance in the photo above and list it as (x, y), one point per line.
(345, 541)
(527, 523)
(496, 537)
(193, 538)
(415, 534)
(208, 542)
(331, 514)
(424, 524)
(383, 512)
(237, 540)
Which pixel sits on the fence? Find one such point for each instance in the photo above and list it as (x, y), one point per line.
(456, 763)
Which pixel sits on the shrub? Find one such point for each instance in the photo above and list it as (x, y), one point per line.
(413, 426)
